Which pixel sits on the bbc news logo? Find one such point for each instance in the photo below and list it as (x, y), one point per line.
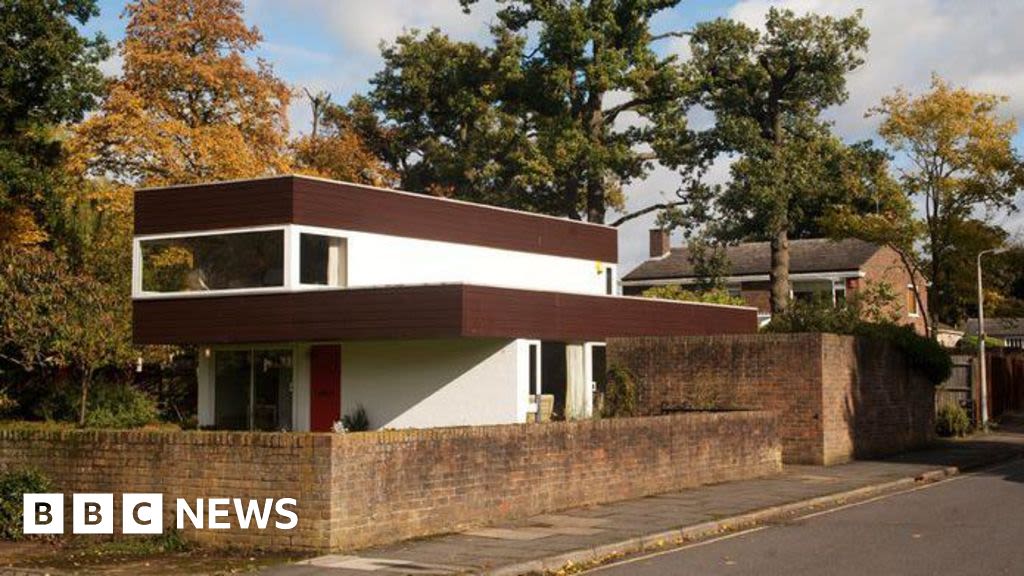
(143, 513)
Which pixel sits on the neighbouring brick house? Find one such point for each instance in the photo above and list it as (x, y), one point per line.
(833, 269)
(1009, 330)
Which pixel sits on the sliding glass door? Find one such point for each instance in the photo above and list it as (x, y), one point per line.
(253, 389)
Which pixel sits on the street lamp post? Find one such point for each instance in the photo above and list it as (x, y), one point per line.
(981, 339)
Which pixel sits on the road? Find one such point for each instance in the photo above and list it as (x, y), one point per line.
(970, 524)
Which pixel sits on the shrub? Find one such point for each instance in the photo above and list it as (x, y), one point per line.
(952, 421)
(357, 421)
(13, 484)
(969, 343)
(817, 315)
(863, 318)
(120, 406)
(7, 404)
(622, 395)
(673, 292)
(924, 354)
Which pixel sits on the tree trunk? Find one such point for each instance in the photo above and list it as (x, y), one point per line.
(935, 294)
(595, 199)
(595, 184)
(779, 275)
(571, 198)
(86, 379)
(594, 124)
(914, 273)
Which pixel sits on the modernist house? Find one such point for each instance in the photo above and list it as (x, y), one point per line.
(308, 298)
(822, 268)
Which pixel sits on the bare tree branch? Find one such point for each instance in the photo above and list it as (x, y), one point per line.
(611, 113)
(647, 210)
(677, 34)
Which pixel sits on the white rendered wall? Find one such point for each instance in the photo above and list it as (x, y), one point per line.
(429, 383)
(380, 260)
(420, 383)
(383, 260)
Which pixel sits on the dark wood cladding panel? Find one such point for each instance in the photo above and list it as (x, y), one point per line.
(443, 311)
(339, 205)
(213, 206)
(363, 314)
(290, 199)
(557, 316)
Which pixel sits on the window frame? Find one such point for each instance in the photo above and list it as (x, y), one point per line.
(137, 263)
(251, 350)
(296, 232)
(910, 296)
(291, 262)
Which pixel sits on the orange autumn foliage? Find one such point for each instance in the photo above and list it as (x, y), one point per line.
(188, 107)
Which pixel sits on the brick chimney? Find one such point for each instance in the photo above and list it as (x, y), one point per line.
(661, 242)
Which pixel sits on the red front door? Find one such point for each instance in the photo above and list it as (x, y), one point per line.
(324, 387)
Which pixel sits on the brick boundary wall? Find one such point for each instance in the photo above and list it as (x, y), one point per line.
(838, 397)
(363, 489)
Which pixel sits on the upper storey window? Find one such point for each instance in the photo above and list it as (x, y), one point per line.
(201, 263)
(322, 260)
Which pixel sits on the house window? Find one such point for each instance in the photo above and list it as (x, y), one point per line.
(812, 290)
(232, 389)
(609, 282)
(912, 309)
(323, 260)
(213, 262)
(253, 390)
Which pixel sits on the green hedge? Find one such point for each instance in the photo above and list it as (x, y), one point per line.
(924, 354)
(13, 484)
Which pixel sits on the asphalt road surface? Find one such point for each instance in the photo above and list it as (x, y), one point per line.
(967, 525)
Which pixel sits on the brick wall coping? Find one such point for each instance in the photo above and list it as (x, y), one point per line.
(324, 439)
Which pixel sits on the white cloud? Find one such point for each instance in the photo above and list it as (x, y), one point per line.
(976, 44)
(659, 186)
(360, 26)
(113, 66)
(288, 51)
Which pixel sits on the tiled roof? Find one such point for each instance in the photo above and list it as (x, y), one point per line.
(811, 255)
(997, 326)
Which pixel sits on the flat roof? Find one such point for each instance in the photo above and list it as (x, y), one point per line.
(293, 199)
(436, 311)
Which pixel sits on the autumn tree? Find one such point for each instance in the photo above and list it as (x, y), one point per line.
(536, 120)
(188, 107)
(335, 148)
(876, 210)
(50, 77)
(958, 158)
(58, 318)
(766, 90)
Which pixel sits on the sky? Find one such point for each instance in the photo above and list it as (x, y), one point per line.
(334, 45)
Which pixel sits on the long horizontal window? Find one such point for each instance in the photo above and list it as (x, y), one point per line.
(213, 262)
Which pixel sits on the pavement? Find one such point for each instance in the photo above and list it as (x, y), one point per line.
(589, 536)
(970, 524)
